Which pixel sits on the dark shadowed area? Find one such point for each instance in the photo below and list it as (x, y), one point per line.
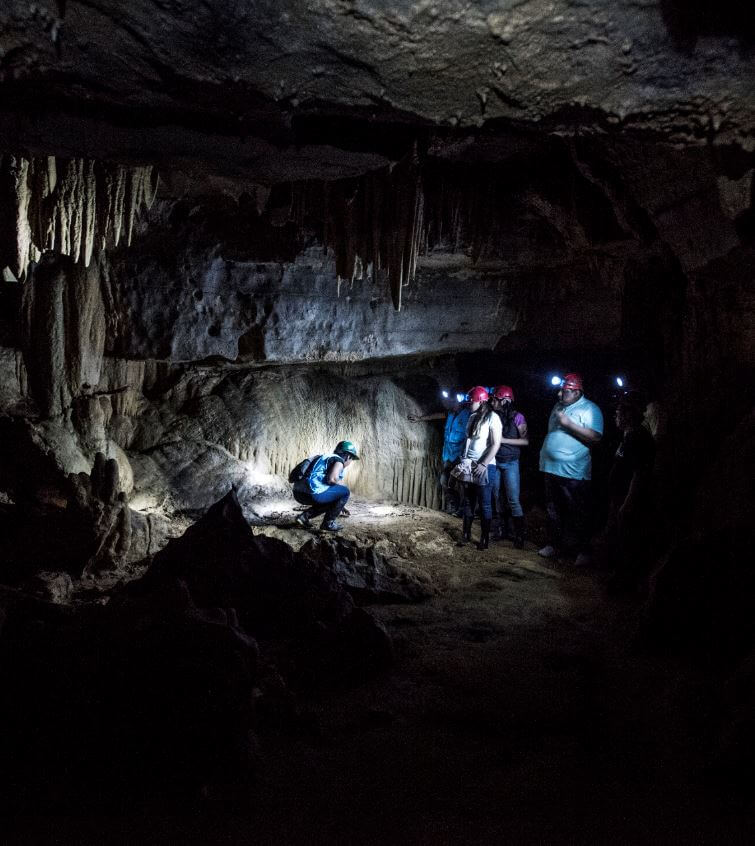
(235, 235)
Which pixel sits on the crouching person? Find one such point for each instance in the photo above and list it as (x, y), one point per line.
(321, 487)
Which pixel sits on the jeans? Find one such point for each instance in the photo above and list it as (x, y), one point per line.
(508, 473)
(482, 494)
(568, 507)
(330, 502)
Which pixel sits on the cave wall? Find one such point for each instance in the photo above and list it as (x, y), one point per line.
(204, 430)
(217, 279)
(223, 345)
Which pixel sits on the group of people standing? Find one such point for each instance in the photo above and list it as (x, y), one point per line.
(484, 436)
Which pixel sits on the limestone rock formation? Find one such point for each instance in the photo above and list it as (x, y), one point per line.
(359, 203)
(664, 65)
(276, 592)
(74, 207)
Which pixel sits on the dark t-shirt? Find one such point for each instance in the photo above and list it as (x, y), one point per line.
(636, 452)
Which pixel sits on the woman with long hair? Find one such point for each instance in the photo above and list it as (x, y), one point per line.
(483, 440)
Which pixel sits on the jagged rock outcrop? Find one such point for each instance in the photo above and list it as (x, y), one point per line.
(276, 592)
(151, 697)
(160, 683)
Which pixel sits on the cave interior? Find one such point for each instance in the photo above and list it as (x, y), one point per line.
(232, 235)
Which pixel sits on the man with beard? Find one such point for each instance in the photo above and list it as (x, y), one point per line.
(575, 425)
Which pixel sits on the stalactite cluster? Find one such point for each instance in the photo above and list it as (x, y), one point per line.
(463, 209)
(71, 206)
(373, 224)
(377, 221)
(381, 222)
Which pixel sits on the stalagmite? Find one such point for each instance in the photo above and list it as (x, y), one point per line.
(72, 206)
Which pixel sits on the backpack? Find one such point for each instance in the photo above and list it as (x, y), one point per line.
(302, 469)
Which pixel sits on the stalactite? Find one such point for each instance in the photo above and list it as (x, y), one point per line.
(380, 223)
(376, 222)
(71, 206)
(468, 208)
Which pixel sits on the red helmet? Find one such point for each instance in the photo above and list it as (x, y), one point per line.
(573, 381)
(504, 392)
(478, 394)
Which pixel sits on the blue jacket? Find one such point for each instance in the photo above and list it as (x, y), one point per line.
(455, 435)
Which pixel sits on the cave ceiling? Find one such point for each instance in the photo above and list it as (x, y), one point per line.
(286, 90)
(484, 141)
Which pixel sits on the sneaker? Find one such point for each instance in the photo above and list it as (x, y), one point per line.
(345, 512)
(547, 552)
(302, 519)
(331, 526)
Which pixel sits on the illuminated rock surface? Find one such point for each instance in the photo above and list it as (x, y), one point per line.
(232, 234)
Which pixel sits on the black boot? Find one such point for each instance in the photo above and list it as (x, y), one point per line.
(518, 532)
(484, 533)
(466, 531)
(504, 531)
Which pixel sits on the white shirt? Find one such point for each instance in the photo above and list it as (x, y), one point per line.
(489, 432)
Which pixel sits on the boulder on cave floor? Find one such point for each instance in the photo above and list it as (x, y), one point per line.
(279, 594)
(372, 568)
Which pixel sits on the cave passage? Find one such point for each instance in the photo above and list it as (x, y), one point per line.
(506, 244)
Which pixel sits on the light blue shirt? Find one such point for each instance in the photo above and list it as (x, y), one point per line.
(315, 482)
(564, 455)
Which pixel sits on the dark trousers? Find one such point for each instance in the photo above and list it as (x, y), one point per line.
(330, 502)
(450, 495)
(569, 509)
(482, 494)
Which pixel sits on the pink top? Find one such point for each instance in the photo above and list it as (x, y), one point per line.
(519, 419)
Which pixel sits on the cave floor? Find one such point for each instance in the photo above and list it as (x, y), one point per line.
(517, 710)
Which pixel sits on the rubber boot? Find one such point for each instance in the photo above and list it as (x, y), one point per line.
(484, 533)
(466, 531)
(518, 532)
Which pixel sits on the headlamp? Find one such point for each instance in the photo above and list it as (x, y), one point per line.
(444, 394)
(556, 381)
(461, 397)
